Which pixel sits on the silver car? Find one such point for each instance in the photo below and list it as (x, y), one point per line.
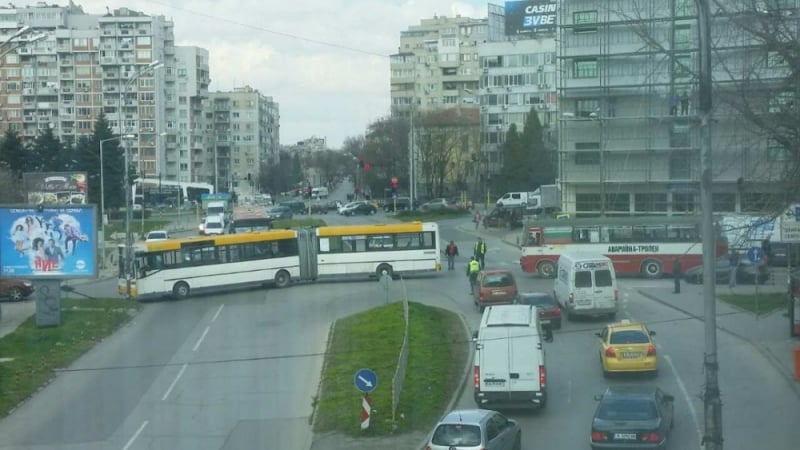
(475, 429)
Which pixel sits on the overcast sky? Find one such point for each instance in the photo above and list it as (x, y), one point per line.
(323, 90)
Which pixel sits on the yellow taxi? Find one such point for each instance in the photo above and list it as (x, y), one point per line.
(627, 347)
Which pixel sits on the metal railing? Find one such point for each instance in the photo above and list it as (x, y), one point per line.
(402, 360)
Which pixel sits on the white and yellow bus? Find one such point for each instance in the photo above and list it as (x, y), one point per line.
(179, 267)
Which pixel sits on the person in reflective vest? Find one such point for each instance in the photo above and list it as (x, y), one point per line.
(480, 252)
(472, 273)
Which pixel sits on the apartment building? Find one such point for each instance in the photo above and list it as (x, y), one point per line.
(184, 156)
(244, 130)
(628, 134)
(437, 64)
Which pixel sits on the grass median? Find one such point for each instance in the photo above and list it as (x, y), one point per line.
(34, 353)
(372, 339)
(298, 223)
(760, 303)
(431, 216)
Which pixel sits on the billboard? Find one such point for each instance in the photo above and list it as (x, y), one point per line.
(54, 242)
(530, 17)
(55, 188)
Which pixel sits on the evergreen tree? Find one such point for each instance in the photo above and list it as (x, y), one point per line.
(13, 153)
(113, 165)
(540, 167)
(513, 175)
(45, 153)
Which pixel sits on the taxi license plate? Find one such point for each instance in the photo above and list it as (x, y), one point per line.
(625, 436)
(630, 355)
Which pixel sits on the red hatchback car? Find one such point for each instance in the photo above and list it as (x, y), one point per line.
(495, 287)
(15, 290)
(549, 311)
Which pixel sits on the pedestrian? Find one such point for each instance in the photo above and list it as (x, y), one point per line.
(685, 104)
(451, 251)
(676, 272)
(473, 268)
(477, 219)
(734, 265)
(674, 101)
(480, 252)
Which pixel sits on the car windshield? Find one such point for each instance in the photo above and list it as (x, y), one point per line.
(213, 225)
(457, 435)
(629, 337)
(498, 280)
(627, 409)
(157, 236)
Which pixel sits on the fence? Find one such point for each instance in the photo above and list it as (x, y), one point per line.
(402, 360)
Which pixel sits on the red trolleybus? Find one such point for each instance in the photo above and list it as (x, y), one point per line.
(642, 245)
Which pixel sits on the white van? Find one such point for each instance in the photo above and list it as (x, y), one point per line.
(509, 358)
(513, 199)
(586, 285)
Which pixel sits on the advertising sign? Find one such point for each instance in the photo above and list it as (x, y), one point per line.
(55, 188)
(530, 17)
(56, 242)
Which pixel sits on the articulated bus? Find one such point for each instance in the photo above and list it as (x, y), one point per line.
(637, 245)
(178, 267)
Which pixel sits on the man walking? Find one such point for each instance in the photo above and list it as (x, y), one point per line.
(451, 251)
(676, 272)
(734, 265)
(473, 268)
(480, 252)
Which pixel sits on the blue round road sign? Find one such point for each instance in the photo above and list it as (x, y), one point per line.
(755, 254)
(366, 380)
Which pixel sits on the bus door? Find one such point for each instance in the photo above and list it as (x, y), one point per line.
(307, 249)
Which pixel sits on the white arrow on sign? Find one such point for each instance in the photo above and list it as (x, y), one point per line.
(366, 381)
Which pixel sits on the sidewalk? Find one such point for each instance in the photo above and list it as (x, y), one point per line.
(768, 333)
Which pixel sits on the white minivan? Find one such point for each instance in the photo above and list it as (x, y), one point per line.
(509, 359)
(586, 285)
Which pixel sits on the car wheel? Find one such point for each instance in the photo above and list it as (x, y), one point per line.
(180, 291)
(15, 294)
(282, 279)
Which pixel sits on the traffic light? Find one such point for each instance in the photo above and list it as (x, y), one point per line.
(361, 163)
(367, 166)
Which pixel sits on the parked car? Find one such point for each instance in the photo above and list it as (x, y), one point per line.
(296, 206)
(632, 416)
(779, 254)
(475, 429)
(507, 217)
(15, 290)
(495, 287)
(433, 205)
(279, 212)
(746, 272)
(403, 204)
(157, 235)
(355, 208)
(549, 310)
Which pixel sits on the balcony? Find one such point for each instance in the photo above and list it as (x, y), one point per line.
(28, 119)
(110, 102)
(66, 89)
(67, 130)
(66, 62)
(108, 60)
(110, 75)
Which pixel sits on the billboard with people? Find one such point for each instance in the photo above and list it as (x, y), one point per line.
(48, 241)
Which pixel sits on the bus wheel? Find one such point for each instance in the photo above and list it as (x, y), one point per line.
(652, 269)
(546, 269)
(282, 279)
(180, 290)
(384, 269)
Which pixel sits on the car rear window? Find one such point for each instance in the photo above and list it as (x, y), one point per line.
(457, 435)
(499, 280)
(583, 279)
(629, 337)
(538, 300)
(627, 409)
(602, 278)
(157, 236)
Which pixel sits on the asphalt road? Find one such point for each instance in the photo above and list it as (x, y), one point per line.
(238, 370)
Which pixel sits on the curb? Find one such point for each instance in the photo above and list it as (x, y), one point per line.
(764, 350)
(313, 417)
(463, 384)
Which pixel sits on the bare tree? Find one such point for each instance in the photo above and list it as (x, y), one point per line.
(10, 187)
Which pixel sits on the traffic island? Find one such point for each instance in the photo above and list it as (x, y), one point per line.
(32, 355)
(369, 343)
(760, 304)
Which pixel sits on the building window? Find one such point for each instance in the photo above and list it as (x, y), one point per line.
(587, 158)
(777, 151)
(781, 101)
(683, 68)
(680, 134)
(620, 202)
(585, 68)
(684, 203)
(650, 202)
(775, 59)
(143, 40)
(587, 107)
(684, 8)
(683, 37)
(584, 21)
(587, 202)
(680, 165)
(723, 201)
(144, 54)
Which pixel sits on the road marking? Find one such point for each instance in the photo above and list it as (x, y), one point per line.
(135, 435)
(686, 396)
(218, 311)
(200, 341)
(174, 382)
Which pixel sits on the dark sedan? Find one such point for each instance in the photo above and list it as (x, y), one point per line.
(279, 212)
(632, 417)
(549, 311)
(15, 290)
(746, 273)
(359, 208)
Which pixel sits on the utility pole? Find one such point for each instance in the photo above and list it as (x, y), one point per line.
(412, 185)
(128, 219)
(712, 403)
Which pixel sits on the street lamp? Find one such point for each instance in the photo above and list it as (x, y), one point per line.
(103, 183)
(128, 206)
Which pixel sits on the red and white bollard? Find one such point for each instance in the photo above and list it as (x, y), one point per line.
(366, 410)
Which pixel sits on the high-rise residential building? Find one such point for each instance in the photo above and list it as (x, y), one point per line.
(629, 137)
(437, 64)
(518, 73)
(244, 129)
(185, 156)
